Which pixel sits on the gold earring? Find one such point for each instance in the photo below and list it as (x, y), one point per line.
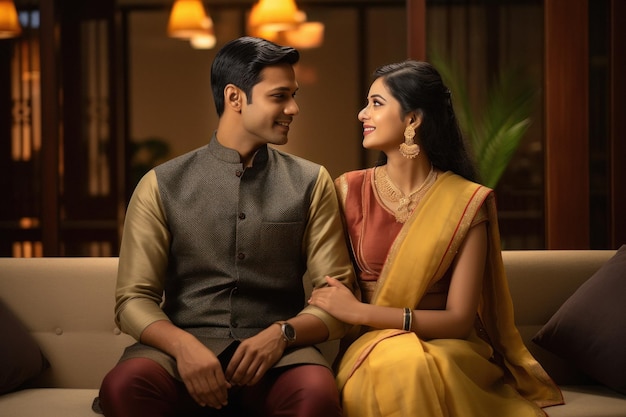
(409, 149)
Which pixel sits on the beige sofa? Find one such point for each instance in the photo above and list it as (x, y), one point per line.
(67, 305)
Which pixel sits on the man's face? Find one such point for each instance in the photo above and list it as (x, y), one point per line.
(268, 116)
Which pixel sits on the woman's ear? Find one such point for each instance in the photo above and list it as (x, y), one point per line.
(415, 119)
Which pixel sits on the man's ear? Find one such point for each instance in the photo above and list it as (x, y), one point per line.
(233, 97)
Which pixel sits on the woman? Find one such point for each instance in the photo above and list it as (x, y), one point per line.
(436, 335)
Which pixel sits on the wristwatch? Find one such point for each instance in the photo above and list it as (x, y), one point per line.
(289, 333)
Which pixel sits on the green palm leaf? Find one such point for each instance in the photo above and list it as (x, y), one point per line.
(495, 132)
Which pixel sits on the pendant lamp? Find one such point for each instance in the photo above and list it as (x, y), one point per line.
(282, 22)
(306, 35)
(187, 18)
(204, 40)
(9, 22)
(273, 15)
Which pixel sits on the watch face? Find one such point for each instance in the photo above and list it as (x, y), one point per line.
(289, 332)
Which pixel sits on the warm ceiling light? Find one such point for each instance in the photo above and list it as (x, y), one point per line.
(273, 15)
(187, 19)
(205, 40)
(282, 22)
(9, 22)
(265, 33)
(306, 35)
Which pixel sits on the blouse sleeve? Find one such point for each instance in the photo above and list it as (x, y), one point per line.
(481, 217)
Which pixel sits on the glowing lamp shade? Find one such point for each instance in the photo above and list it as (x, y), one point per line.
(274, 15)
(204, 40)
(266, 33)
(9, 22)
(306, 35)
(188, 19)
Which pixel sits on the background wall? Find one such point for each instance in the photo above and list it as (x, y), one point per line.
(86, 81)
(170, 95)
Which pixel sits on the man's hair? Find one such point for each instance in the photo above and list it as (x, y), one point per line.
(240, 63)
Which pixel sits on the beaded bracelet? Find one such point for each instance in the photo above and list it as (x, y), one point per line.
(408, 319)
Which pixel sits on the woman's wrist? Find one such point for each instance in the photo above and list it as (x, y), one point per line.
(407, 319)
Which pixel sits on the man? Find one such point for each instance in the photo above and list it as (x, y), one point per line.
(226, 233)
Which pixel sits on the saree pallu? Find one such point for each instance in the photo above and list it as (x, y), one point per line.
(386, 373)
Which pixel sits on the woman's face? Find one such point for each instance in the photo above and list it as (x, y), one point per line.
(383, 123)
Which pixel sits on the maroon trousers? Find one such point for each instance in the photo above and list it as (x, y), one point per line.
(141, 387)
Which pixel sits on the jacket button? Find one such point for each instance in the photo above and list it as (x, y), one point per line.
(242, 216)
(241, 255)
(239, 173)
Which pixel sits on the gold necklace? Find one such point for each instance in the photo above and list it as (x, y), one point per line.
(406, 203)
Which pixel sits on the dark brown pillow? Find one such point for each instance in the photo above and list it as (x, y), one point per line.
(590, 327)
(20, 357)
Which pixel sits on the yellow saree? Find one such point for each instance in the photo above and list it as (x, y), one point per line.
(391, 372)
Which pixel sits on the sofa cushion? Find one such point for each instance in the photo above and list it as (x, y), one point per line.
(589, 401)
(53, 402)
(590, 327)
(20, 357)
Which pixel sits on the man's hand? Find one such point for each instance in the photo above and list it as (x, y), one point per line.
(198, 366)
(202, 374)
(255, 356)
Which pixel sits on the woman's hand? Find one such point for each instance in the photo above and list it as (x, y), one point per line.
(337, 300)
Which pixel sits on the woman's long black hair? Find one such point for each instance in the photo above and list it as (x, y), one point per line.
(418, 86)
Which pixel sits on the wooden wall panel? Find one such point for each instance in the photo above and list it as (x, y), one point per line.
(50, 114)
(618, 123)
(416, 28)
(567, 125)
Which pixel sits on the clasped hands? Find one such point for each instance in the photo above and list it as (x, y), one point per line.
(204, 378)
(201, 371)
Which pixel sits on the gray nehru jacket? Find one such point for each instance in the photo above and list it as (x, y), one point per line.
(236, 259)
(227, 248)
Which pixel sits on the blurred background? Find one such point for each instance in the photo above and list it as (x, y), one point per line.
(95, 93)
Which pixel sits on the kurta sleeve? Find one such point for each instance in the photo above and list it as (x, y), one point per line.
(325, 247)
(142, 260)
